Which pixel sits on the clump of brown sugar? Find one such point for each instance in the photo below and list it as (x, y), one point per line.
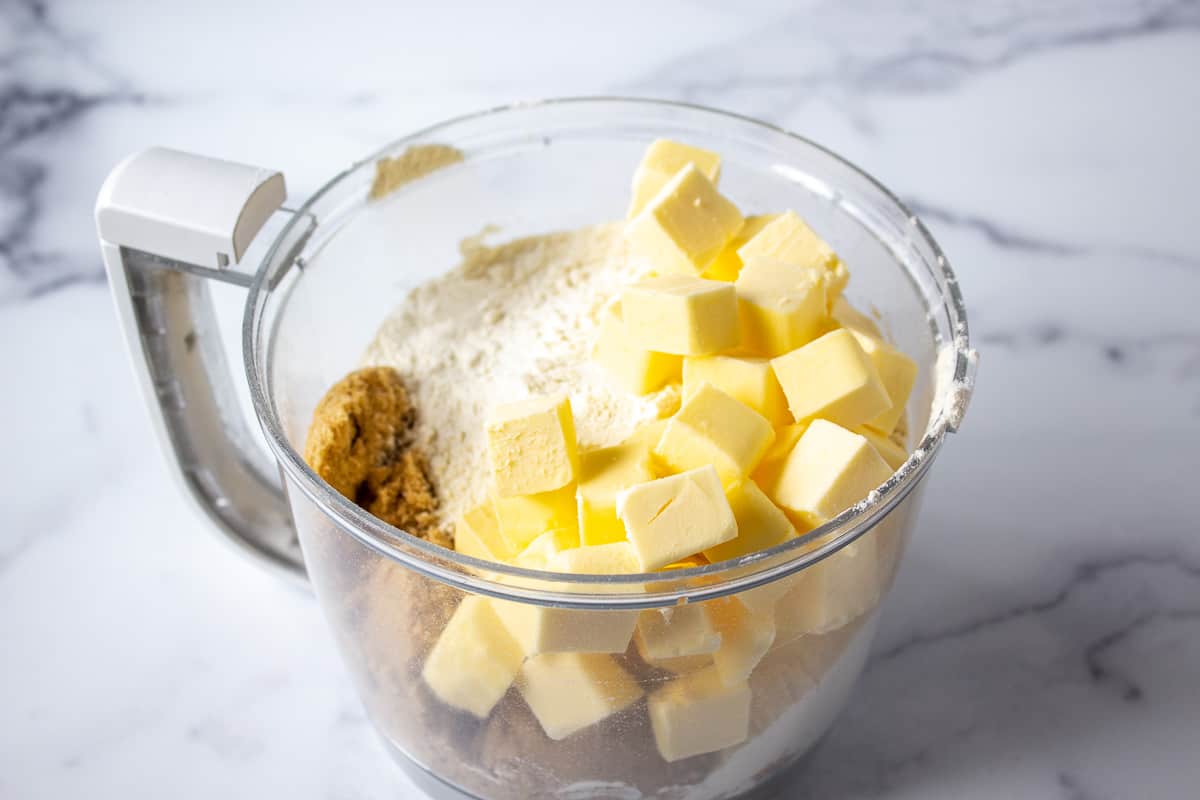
(360, 442)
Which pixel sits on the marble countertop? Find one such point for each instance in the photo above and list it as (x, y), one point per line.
(1043, 638)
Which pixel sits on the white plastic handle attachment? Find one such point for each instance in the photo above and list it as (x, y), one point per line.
(168, 222)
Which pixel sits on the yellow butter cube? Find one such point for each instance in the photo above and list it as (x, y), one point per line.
(478, 535)
(674, 632)
(829, 470)
(847, 316)
(541, 629)
(681, 315)
(898, 373)
(745, 639)
(614, 558)
(789, 239)
(474, 661)
(750, 380)
(647, 435)
(539, 552)
(781, 306)
(671, 518)
(783, 680)
(631, 366)
(602, 473)
(728, 264)
(685, 226)
(760, 523)
(523, 518)
(833, 592)
(713, 428)
(531, 445)
(761, 599)
(699, 713)
(831, 377)
(767, 471)
(892, 453)
(663, 160)
(568, 692)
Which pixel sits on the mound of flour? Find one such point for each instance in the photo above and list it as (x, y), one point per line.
(511, 320)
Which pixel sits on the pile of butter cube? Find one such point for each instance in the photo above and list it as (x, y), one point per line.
(791, 399)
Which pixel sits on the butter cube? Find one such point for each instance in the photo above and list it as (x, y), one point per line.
(632, 367)
(898, 373)
(728, 264)
(614, 558)
(761, 600)
(541, 629)
(681, 315)
(831, 377)
(685, 226)
(671, 518)
(781, 306)
(662, 161)
(602, 473)
(829, 470)
(788, 238)
(647, 434)
(750, 380)
(892, 453)
(478, 535)
(568, 692)
(699, 713)
(847, 316)
(474, 661)
(525, 517)
(713, 428)
(667, 633)
(531, 444)
(782, 680)
(760, 523)
(545, 547)
(833, 592)
(745, 639)
(766, 474)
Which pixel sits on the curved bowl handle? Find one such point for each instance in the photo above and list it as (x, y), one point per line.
(168, 223)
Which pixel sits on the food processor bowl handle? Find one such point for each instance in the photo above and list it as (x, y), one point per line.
(169, 222)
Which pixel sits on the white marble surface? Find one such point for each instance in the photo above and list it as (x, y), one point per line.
(1043, 640)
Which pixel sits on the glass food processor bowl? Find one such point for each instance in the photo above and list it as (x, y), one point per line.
(170, 222)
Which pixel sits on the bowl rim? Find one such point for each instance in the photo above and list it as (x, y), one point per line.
(695, 584)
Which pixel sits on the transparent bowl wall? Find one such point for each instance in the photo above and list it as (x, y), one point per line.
(386, 595)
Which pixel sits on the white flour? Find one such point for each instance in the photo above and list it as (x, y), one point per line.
(510, 321)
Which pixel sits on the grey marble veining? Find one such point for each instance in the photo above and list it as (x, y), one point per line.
(1043, 638)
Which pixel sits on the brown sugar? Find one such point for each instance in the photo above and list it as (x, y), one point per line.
(360, 442)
